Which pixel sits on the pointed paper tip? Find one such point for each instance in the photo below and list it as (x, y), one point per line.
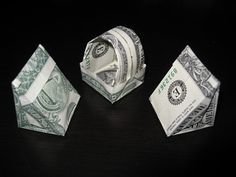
(40, 46)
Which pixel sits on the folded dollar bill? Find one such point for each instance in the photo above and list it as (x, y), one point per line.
(186, 99)
(113, 63)
(44, 99)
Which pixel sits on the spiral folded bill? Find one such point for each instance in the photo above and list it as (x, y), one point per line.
(113, 63)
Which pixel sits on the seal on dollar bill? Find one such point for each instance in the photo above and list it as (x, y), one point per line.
(177, 92)
(100, 49)
(187, 100)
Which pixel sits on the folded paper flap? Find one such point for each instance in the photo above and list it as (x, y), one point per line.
(121, 54)
(30, 70)
(96, 81)
(198, 72)
(138, 46)
(203, 119)
(33, 76)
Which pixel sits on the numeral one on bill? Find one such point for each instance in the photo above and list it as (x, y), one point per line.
(186, 98)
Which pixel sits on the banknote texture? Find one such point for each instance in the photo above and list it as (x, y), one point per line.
(52, 108)
(113, 63)
(186, 99)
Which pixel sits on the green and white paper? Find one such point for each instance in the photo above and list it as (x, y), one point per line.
(113, 63)
(44, 99)
(186, 99)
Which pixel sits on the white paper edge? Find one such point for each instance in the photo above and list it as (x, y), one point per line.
(38, 83)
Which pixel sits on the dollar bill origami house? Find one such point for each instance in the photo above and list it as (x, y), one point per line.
(44, 99)
(186, 99)
(113, 63)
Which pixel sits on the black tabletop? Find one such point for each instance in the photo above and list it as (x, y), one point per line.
(124, 139)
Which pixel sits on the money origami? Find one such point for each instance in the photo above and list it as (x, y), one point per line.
(186, 99)
(44, 99)
(113, 63)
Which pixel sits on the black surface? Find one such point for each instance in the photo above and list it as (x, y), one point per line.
(125, 139)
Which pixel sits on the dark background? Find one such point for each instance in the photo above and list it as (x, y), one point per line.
(125, 139)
